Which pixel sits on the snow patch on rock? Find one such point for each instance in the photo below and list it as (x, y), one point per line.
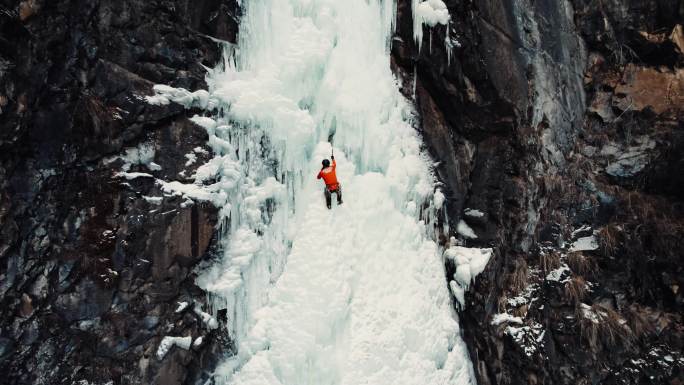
(168, 342)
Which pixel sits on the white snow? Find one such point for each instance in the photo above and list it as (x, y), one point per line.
(352, 295)
(153, 200)
(581, 229)
(505, 317)
(191, 157)
(557, 274)
(465, 230)
(143, 154)
(133, 175)
(168, 342)
(181, 306)
(207, 123)
(198, 341)
(585, 243)
(473, 213)
(164, 94)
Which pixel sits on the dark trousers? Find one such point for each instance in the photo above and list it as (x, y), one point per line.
(328, 195)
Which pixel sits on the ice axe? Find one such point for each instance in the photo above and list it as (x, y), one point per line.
(331, 137)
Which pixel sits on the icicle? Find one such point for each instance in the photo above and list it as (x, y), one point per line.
(415, 79)
(447, 44)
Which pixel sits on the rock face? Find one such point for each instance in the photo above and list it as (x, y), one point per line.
(94, 257)
(561, 122)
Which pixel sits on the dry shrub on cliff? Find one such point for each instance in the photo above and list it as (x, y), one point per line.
(521, 311)
(638, 322)
(652, 224)
(602, 325)
(501, 303)
(668, 236)
(553, 183)
(579, 263)
(639, 205)
(608, 239)
(519, 278)
(549, 261)
(575, 290)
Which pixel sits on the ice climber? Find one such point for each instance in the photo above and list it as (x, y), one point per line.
(331, 184)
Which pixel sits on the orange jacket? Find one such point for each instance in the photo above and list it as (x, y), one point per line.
(328, 175)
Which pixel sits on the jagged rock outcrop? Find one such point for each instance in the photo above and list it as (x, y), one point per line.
(94, 257)
(561, 123)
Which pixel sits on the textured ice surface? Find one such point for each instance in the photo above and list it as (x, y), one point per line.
(469, 262)
(352, 295)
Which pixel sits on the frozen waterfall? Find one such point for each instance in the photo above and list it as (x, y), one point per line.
(352, 295)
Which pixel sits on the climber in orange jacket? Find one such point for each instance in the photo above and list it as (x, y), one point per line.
(331, 184)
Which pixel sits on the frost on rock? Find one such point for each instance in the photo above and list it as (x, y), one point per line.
(168, 342)
(465, 230)
(469, 262)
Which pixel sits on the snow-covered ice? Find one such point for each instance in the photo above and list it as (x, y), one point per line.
(352, 295)
(469, 262)
(429, 13)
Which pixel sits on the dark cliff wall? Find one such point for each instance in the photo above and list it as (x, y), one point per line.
(90, 270)
(552, 117)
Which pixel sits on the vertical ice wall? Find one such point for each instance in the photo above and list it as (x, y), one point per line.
(354, 295)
